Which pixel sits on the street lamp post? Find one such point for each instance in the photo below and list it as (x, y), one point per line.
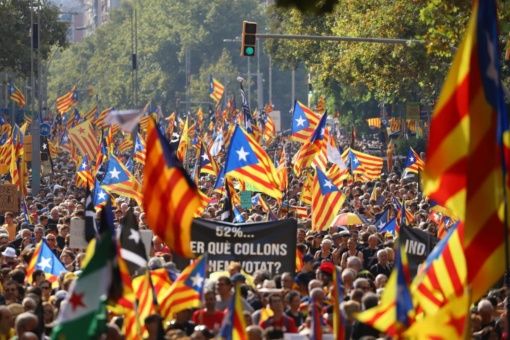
(36, 147)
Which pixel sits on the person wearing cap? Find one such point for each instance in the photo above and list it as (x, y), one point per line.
(307, 273)
(325, 273)
(238, 278)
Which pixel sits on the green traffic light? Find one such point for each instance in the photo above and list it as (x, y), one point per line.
(249, 51)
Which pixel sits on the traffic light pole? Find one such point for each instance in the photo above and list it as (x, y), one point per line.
(335, 38)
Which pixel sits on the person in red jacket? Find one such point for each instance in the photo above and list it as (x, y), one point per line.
(209, 316)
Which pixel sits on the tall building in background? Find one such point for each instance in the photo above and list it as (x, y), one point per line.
(84, 16)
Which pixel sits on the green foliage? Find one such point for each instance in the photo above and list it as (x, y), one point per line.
(15, 34)
(419, 144)
(166, 29)
(389, 73)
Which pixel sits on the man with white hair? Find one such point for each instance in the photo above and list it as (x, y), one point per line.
(382, 266)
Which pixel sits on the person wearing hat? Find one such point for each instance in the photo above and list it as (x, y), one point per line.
(10, 258)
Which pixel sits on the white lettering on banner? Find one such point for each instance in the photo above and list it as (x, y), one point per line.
(260, 249)
(197, 247)
(415, 248)
(248, 266)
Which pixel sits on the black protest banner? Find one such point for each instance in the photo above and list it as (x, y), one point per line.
(267, 246)
(418, 245)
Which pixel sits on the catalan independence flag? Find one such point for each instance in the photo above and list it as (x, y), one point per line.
(247, 161)
(313, 146)
(363, 165)
(139, 152)
(234, 325)
(44, 259)
(85, 139)
(16, 95)
(66, 102)
(84, 176)
(118, 180)
(463, 171)
(216, 89)
(187, 290)
(170, 196)
(414, 163)
(395, 311)
(304, 122)
(327, 200)
(444, 273)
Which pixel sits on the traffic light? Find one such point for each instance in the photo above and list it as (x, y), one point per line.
(248, 39)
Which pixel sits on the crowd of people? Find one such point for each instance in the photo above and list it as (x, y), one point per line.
(273, 304)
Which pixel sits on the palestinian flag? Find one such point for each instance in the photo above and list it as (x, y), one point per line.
(80, 310)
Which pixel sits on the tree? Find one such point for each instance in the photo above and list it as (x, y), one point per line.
(15, 34)
(166, 30)
(364, 71)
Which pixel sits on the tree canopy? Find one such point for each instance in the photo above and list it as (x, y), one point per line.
(15, 34)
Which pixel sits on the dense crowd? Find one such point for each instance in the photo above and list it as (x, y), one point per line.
(273, 304)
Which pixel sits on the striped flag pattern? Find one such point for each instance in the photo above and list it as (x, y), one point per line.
(249, 162)
(374, 122)
(463, 171)
(100, 122)
(304, 122)
(139, 154)
(313, 146)
(16, 95)
(187, 290)
(66, 102)
(414, 163)
(216, 90)
(85, 139)
(170, 196)
(118, 180)
(327, 199)
(91, 114)
(444, 274)
(234, 326)
(366, 166)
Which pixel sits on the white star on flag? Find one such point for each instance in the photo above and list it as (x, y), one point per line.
(204, 157)
(241, 153)
(411, 159)
(300, 121)
(328, 184)
(134, 235)
(45, 263)
(114, 173)
(197, 280)
(44, 146)
(101, 195)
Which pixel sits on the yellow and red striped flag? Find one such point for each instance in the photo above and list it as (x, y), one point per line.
(183, 142)
(91, 114)
(100, 122)
(414, 163)
(170, 196)
(17, 96)
(327, 200)
(126, 144)
(444, 273)
(85, 139)
(247, 161)
(463, 170)
(306, 193)
(364, 165)
(187, 290)
(66, 102)
(216, 89)
(313, 146)
(304, 122)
